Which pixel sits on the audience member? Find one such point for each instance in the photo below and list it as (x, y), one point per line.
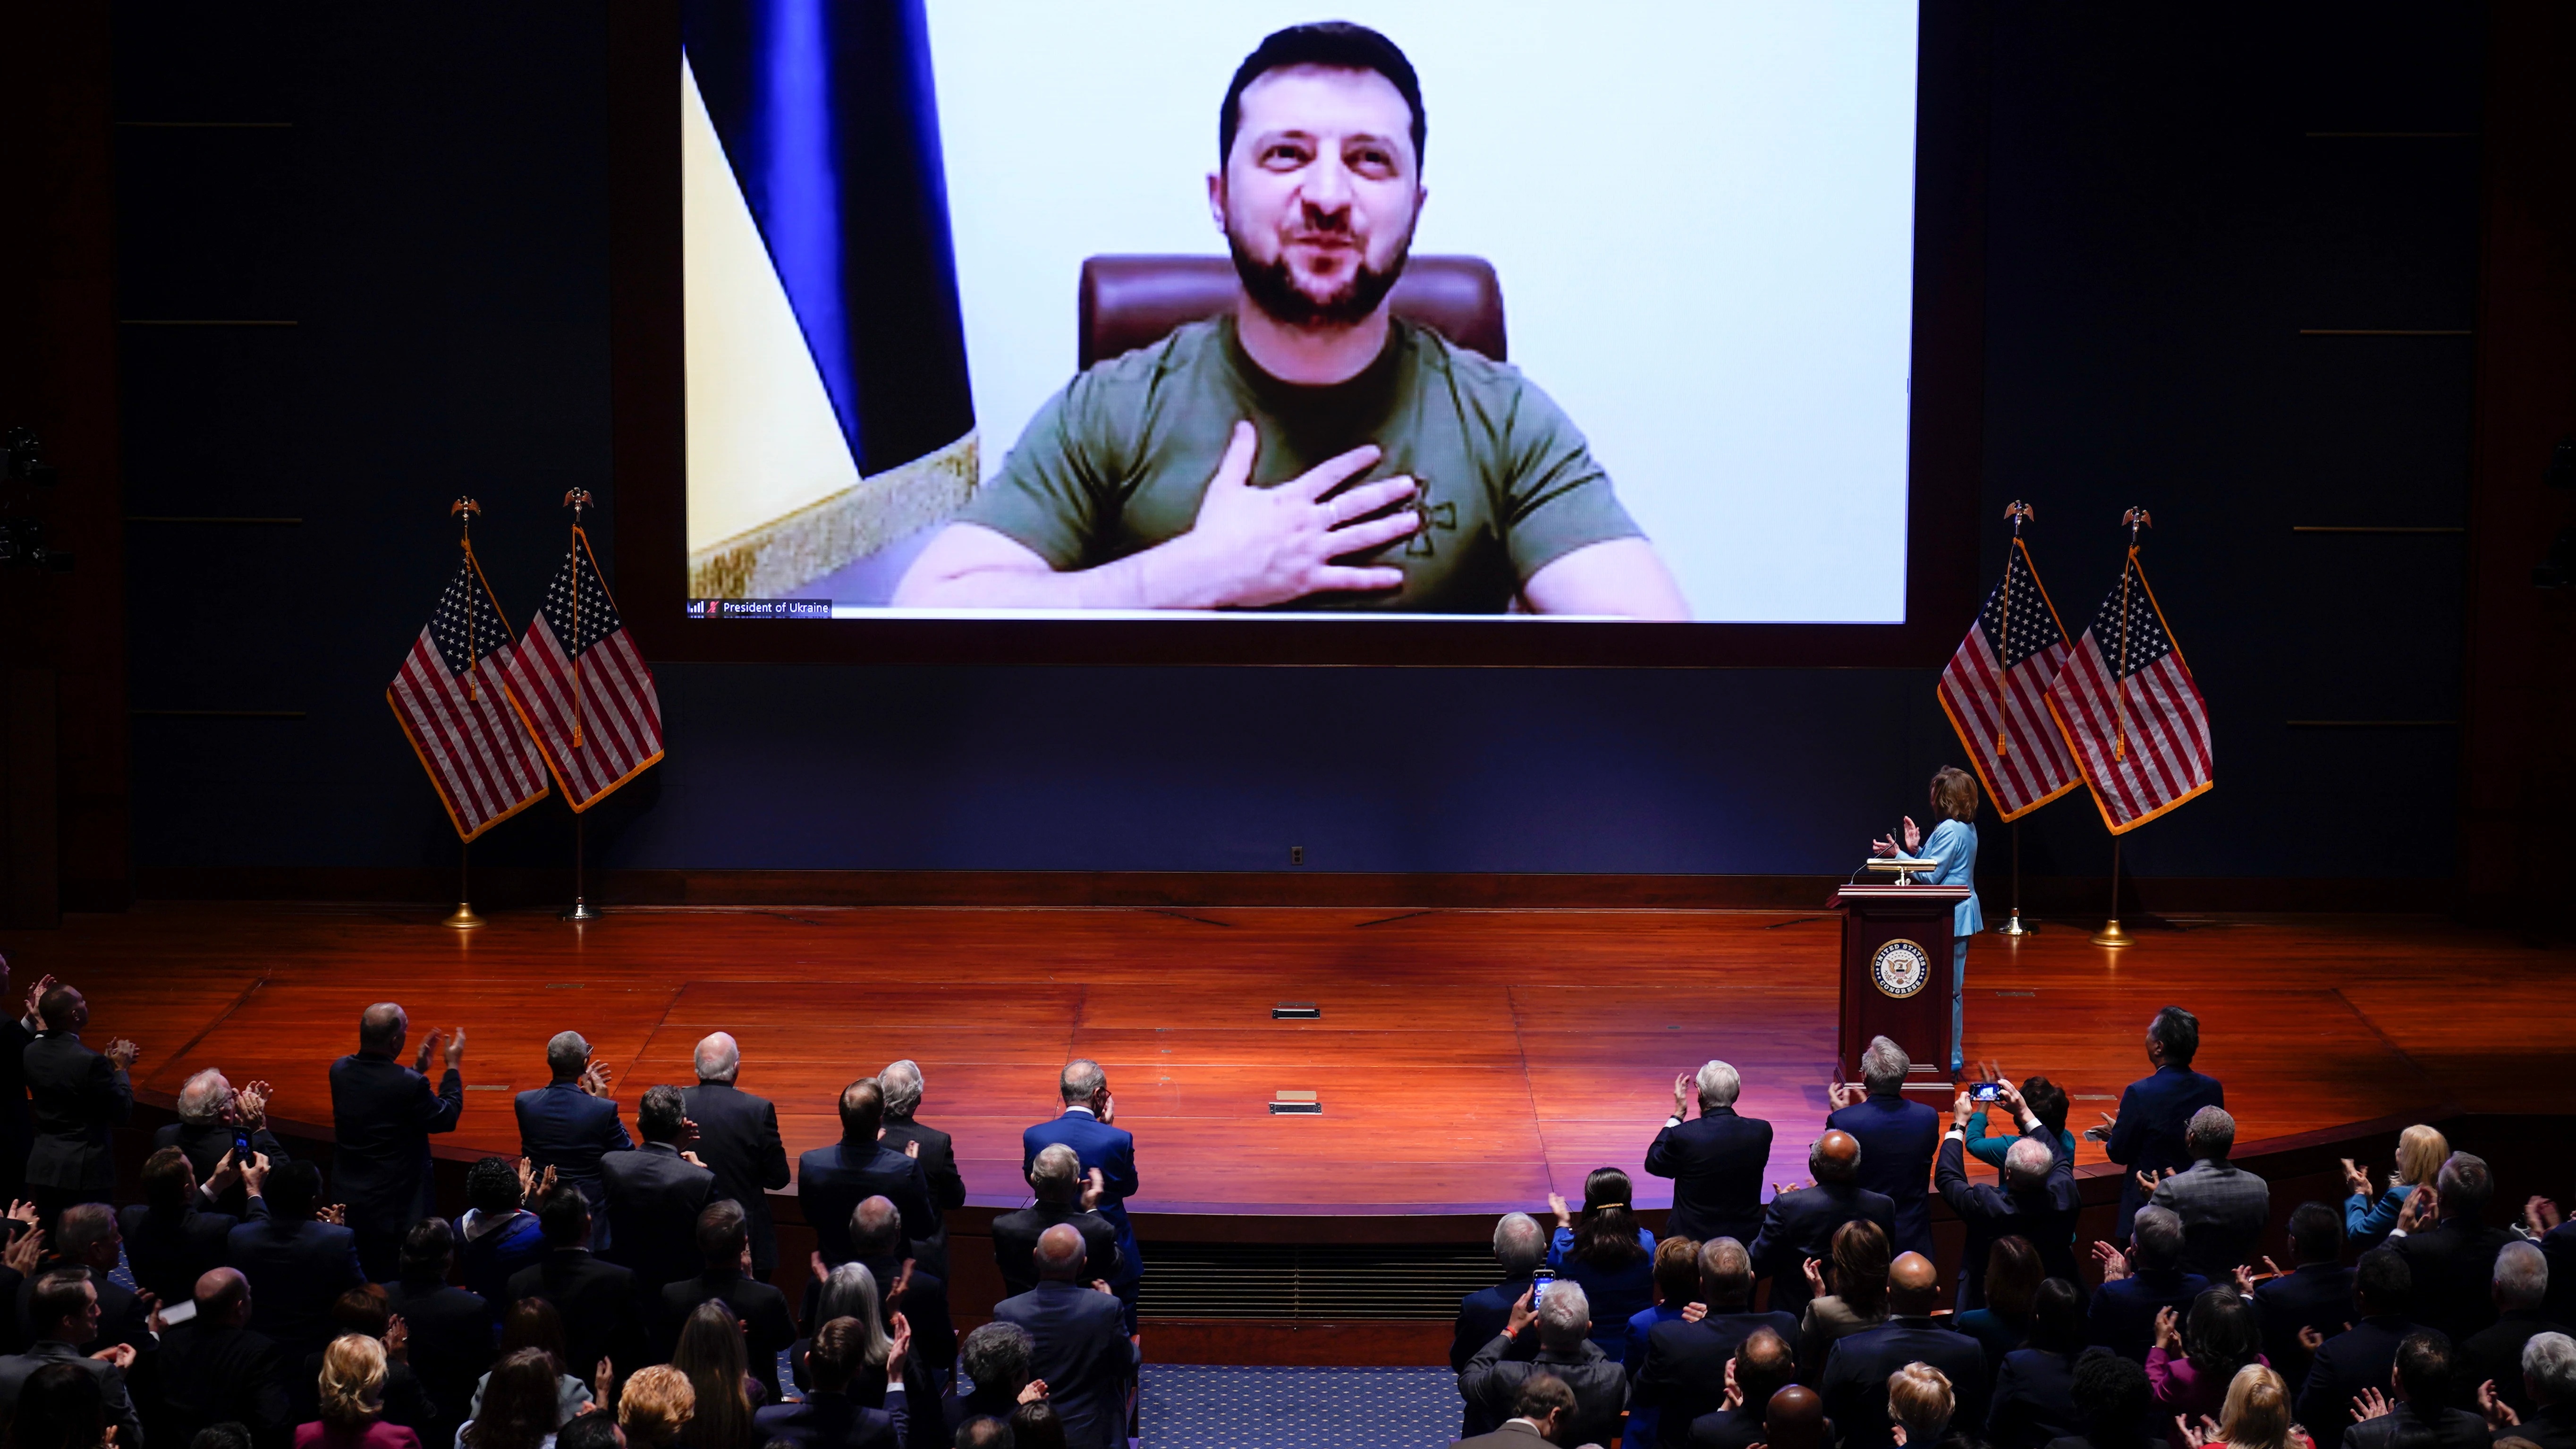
(383, 1115)
(1857, 1370)
(2194, 1360)
(1607, 1253)
(1519, 1249)
(449, 1329)
(1715, 1162)
(1763, 1365)
(85, 1236)
(211, 1113)
(2034, 1393)
(739, 1142)
(1036, 1425)
(2452, 1261)
(827, 1417)
(515, 1408)
(66, 1313)
(1919, 1405)
(591, 1431)
(653, 1195)
(1796, 1420)
(1684, 1374)
(17, 1127)
(2223, 1208)
(297, 1261)
(1085, 1126)
(603, 1309)
(2047, 1102)
(2138, 1285)
(2420, 1392)
(1800, 1223)
(77, 1098)
(497, 1236)
(831, 1181)
(223, 1436)
(1081, 1346)
(995, 1358)
(2361, 1357)
(2316, 1295)
(571, 1122)
(2013, 1275)
(902, 1084)
(1555, 1338)
(175, 1234)
(2037, 1201)
(62, 1406)
(656, 1406)
(2369, 1213)
(877, 1243)
(2147, 1135)
(403, 1400)
(710, 1352)
(985, 1432)
(1676, 1285)
(724, 1247)
(1542, 1413)
(1063, 1193)
(2557, 1237)
(2494, 1353)
(214, 1368)
(1897, 1140)
(849, 1291)
(2256, 1416)
(1858, 1299)
(2549, 1378)
(2113, 1403)
(533, 1323)
(352, 1401)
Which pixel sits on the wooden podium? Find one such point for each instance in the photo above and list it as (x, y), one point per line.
(1896, 977)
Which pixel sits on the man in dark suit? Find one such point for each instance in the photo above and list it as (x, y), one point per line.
(877, 1243)
(2033, 1400)
(724, 1246)
(78, 1097)
(2139, 1284)
(66, 1303)
(2494, 1353)
(654, 1194)
(175, 1234)
(2419, 1397)
(2317, 1294)
(2452, 1261)
(2036, 1201)
(2362, 1356)
(296, 1264)
(1897, 1139)
(1519, 1247)
(902, 1084)
(216, 1369)
(17, 1126)
(2223, 1208)
(383, 1115)
(2549, 1376)
(2147, 1135)
(1800, 1224)
(450, 1329)
(1085, 1126)
(1081, 1346)
(1064, 1195)
(1556, 1339)
(739, 1142)
(210, 1113)
(831, 1181)
(86, 1236)
(1684, 1375)
(827, 1417)
(1715, 1162)
(604, 1316)
(1857, 1369)
(1763, 1365)
(571, 1122)
(1542, 1414)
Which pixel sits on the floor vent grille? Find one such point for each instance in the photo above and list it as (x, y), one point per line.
(1312, 1280)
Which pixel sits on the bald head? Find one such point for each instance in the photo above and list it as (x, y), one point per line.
(223, 1295)
(1835, 1157)
(1795, 1419)
(382, 1027)
(1059, 1254)
(717, 1058)
(1912, 1285)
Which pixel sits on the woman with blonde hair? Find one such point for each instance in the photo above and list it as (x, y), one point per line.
(353, 1400)
(657, 1405)
(2256, 1416)
(2368, 1214)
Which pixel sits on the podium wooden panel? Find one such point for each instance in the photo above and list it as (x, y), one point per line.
(1876, 918)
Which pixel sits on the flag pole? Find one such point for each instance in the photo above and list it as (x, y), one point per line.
(2017, 511)
(577, 499)
(463, 917)
(2135, 519)
(581, 910)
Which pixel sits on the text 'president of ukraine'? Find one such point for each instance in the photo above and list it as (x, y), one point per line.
(1230, 464)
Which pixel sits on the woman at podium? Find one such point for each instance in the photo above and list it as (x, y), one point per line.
(1953, 847)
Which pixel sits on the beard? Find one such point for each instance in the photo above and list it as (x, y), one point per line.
(1273, 287)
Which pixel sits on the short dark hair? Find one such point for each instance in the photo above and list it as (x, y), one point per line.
(492, 1186)
(2316, 1232)
(2178, 1032)
(61, 1406)
(564, 1215)
(2057, 1316)
(723, 1228)
(862, 1111)
(838, 1351)
(2424, 1369)
(362, 1310)
(1543, 1394)
(292, 1191)
(2111, 1396)
(588, 1431)
(57, 1006)
(1334, 45)
(426, 1248)
(166, 1179)
(2046, 1101)
(227, 1435)
(660, 1114)
(2381, 1279)
(2465, 1185)
(59, 1294)
(983, 1432)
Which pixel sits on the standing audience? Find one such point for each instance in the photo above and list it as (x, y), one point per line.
(653, 1195)
(2139, 1284)
(175, 1234)
(211, 1115)
(1557, 1338)
(571, 1122)
(2313, 1297)
(1858, 1298)
(1897, 1139)
(1080, 1343)
(1800, 1223)
(65, 1308)
(2493, 1354)
(1063, 1193)
(832, 1181)
(299, 1259)
(2146, 1136)
(77, 1097)
(2359, 1359)
(1715, 1161)
(497, 1236)
(1676, 1285)
(1607, 1255)
(902, 1084)
(2451, 1262)
(603, 1310)
(2223, 1208)
(2194, 1361)
(1087, 1126)
(2419, 1398)
(724, 1247)
(2368, 1213)
(2034, 1393)
(738, 1139)
(710, 1352)
(1857, 1371)
(1684, 1375)
(352, 1396)
(2037, 1201)
(216, 1369)
(383, 1115)
(1519, 1249)
(828, 1417)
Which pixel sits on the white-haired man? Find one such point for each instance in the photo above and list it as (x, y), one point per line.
(2521, 1285)
(1562, 1327)
(1519, 1247)
(2037, 1200)
(903, 1085)
(2549, 1378)
(1716, 1161)
(1897, 1139)
(211, 1110)
(739, 1142)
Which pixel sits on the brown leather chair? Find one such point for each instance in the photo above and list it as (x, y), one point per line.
(1128, 302)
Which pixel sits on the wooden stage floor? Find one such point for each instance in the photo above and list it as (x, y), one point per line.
(1468, 1061)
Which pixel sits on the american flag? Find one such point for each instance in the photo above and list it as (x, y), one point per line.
(1995, 692)
(449, 700)
(2144, 742)
(582, 687)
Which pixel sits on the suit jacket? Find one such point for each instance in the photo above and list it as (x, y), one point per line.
(2495, 1352)
(832, 1181)
(383, 1114)
(738, 1140)
(1481, 1315)
(1494, 1377)
(830, 1421)
(1715, 1161)
(2044, 1214)
(2033, 1400)
(1083, 1354)
(1111, 1149)
(1684, 1375)
(2122, 1315)
(947, 1189)
(565, 1128)
(2224, 1210)
(1897, 1141)
(1015, 1244)
(2550, 1428)
(210, 1375)
(78, 1098)
(1800, 1225)
(2359, 1358)
(654, 1196)
(1855, 1386)
(2312, 1295)
(2453, 1264)
(1515, 1435)
(768, 1326)
(296, 1267)
(2148, 1135)
(122, 1318)
(603, 1312)
(205, 1144)
(451, 1347)
(2558, 1245)
(17, 1368)
(2451, 1428)
(489, 1256)
(169, 1252)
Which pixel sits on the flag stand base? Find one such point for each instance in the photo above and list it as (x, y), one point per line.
(581, 911)
(2014, 928)
(462, 918)
(2112, 935)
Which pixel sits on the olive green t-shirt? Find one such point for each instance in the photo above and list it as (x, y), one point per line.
(1118, 461)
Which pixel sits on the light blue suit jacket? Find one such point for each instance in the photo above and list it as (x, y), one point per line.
(1954, 844)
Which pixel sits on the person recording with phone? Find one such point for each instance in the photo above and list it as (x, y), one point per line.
(1952, 847)
(216, 1119)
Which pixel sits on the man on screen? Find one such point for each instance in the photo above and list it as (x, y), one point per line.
(1308, 450)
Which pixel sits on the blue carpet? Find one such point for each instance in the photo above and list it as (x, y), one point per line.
(1297, 1408)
